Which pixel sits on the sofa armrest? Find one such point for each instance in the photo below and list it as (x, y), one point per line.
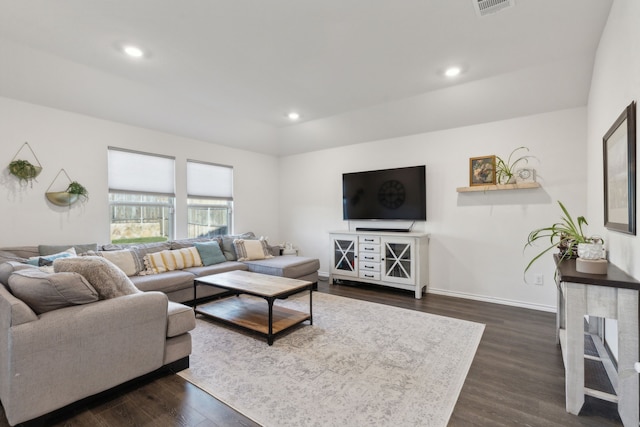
(82, 350)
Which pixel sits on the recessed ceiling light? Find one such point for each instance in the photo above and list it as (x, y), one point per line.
(133, 51)
(293, 116)
(452, 71)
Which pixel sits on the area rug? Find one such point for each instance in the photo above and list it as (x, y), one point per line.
(360, 364)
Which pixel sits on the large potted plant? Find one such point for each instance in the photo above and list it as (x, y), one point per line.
(566, 235)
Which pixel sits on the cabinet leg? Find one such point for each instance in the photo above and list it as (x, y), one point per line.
(574, 374)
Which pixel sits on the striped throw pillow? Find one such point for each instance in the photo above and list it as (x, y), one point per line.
(169, 260)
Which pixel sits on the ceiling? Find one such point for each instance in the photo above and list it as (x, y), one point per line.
(228, 71)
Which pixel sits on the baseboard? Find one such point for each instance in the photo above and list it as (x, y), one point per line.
(539, 307)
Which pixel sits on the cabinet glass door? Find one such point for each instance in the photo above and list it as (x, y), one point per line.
(344, 255)
(398, 262)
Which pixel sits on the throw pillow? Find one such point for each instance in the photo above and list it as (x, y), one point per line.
(210, 252)
(227, 244)
(141, 250)
(41, 260)
(46, 292)
(249, 250)
(104, 276)
(125, 260)
(167, 260)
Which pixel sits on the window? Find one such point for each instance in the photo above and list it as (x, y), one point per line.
(209, 199)
(141, 196)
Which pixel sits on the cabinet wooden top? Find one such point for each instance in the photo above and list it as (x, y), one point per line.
(382, 233)
(615, 277)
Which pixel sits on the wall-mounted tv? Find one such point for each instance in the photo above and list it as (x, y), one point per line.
(387, 194)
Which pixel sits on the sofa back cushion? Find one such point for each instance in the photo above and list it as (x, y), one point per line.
(124, 259)
(51, 291)
(102, 274)
(79, 248)
(7, 269)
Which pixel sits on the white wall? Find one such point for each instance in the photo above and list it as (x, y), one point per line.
(477, 239)
(615, 83)
(79, 144)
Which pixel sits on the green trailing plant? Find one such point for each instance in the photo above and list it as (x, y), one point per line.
(505, 169)
(564, 235)
(24, 170)
(76, 188)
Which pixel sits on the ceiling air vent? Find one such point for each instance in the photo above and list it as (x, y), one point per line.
(486, 7)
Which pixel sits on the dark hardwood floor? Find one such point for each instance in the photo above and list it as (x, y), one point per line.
(516, 379)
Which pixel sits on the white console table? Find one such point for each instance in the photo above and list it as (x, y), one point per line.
(395, 259)
(610, 296)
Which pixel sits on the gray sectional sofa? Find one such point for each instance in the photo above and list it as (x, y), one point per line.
(51, 359)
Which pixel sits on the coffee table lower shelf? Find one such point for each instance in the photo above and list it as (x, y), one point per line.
(252, 313)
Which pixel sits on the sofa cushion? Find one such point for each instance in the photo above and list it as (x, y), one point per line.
(6, 256)
(45, 291)
(80, 249)
(285, 266)
(187, 243)
(248, 250)
(165, 282)
(218, 268)
(104, 276)
(210, 252)
(7, 269)
(227, 244)
(124, 259)
(180, 319)
(163, 261)
(41, 260)
(21, 252)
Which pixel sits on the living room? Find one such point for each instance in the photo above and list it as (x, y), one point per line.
(476, 240)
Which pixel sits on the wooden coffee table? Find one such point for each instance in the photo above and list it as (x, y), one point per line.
(251, 313)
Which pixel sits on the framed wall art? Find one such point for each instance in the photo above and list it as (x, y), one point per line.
(482, 170)
(619, 154)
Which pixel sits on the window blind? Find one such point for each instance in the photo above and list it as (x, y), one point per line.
(208, 180)
(136, 172)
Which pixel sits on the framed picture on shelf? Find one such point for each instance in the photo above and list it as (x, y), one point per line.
(482, 170)
(619, 154)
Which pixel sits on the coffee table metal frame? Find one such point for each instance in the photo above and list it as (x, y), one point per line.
(218, 280)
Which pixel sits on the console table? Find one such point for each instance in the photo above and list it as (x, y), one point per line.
(612, 296)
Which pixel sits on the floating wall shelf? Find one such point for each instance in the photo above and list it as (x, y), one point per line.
(520, 186)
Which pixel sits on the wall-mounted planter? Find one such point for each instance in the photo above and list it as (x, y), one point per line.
(61, 198)
(74, 192)
(24, 170)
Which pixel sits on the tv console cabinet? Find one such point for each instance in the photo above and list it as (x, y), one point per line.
(395, 259)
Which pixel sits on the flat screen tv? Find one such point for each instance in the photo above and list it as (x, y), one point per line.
(387, 194)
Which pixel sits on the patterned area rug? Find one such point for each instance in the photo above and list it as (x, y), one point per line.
(360, 364)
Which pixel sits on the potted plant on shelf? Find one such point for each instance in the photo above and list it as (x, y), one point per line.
(568, 236)
(505, 169)
(24, 170)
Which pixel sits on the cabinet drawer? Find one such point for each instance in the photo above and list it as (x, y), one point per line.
(369, 248)
(369, 239)
(369, 266)
(369, 257)
(371, 275)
